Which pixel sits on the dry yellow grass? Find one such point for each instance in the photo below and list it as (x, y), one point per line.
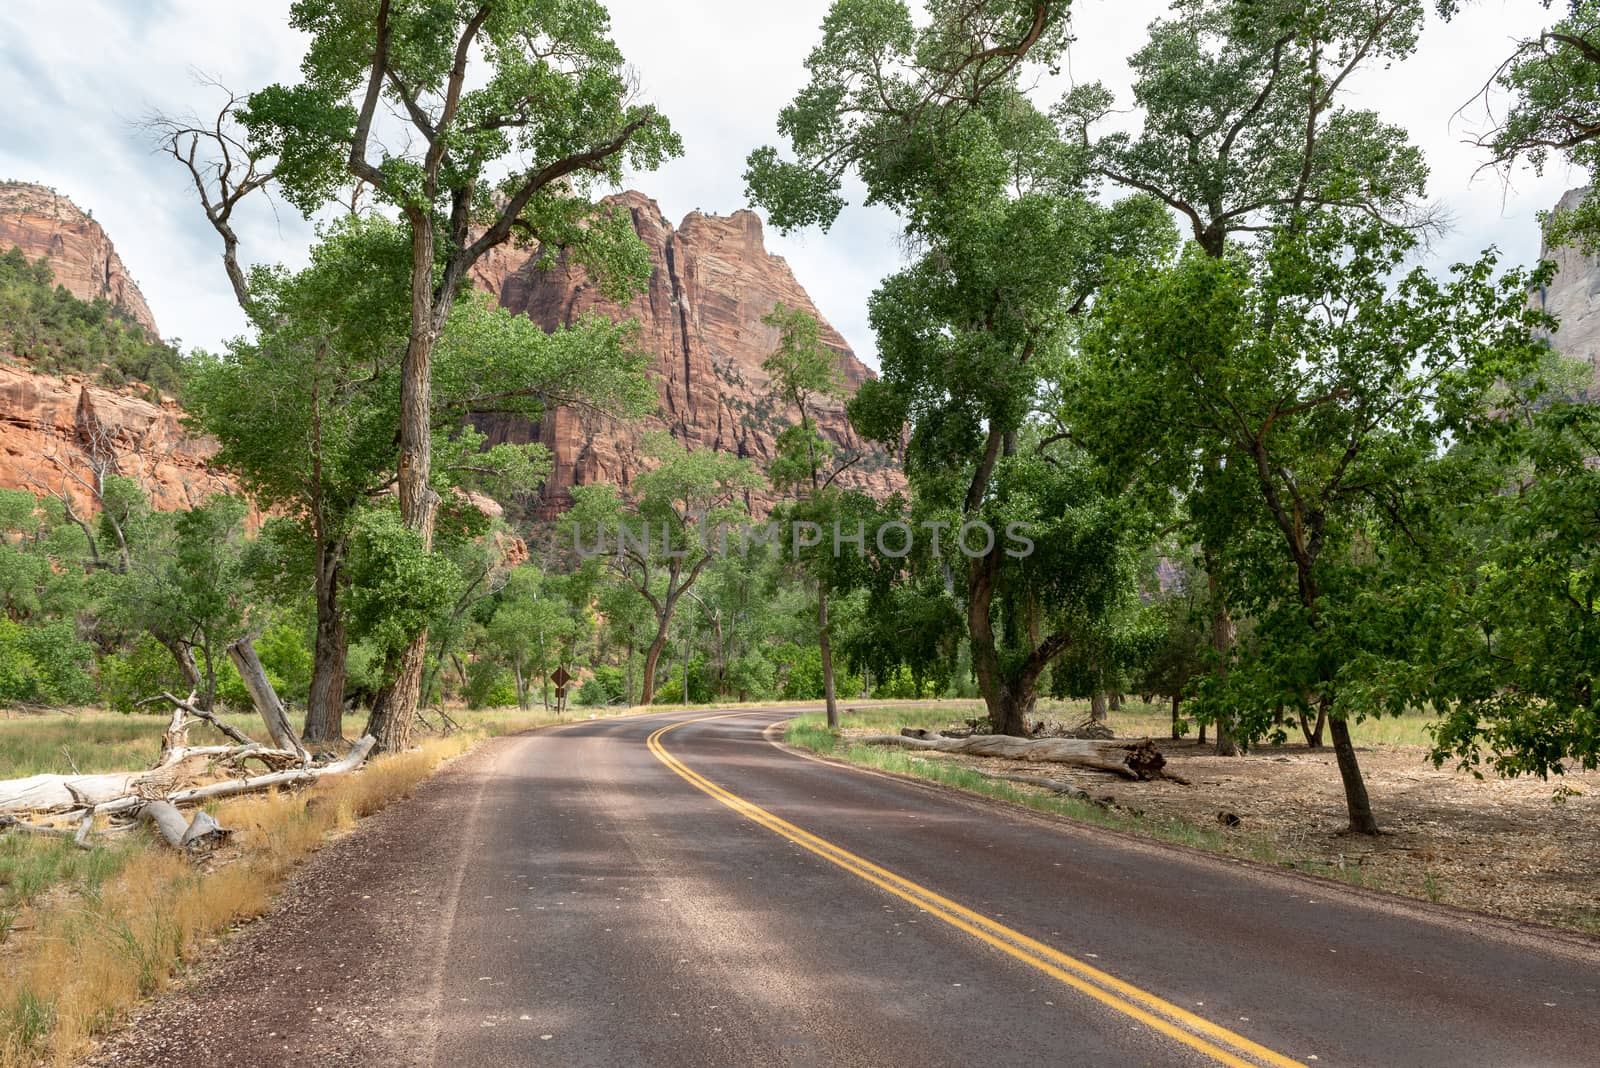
(82, 959)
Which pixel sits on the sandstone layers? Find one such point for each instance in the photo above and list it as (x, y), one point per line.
(56, 432)
(700, 325)
(713, 281)
(41, 222)
(50, 428)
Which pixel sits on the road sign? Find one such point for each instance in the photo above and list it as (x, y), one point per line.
(561, 678)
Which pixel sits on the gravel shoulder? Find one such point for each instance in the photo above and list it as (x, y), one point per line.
(344, 969)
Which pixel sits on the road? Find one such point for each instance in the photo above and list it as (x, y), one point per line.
(658, 922)
(674, 889)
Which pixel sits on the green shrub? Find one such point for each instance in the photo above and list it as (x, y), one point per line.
(142, 670)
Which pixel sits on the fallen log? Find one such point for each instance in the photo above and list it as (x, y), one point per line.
(195, 836)
(234, 787)
(1139, 760)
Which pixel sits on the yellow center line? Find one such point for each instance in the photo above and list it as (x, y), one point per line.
(1174, 1022)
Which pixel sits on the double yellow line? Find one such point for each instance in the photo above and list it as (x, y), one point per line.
(1216, 1042)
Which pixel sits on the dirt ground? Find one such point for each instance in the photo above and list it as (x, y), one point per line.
(1510, 847)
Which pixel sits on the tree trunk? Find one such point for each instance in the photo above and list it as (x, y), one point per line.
(195, 835)
(1355, 787)
(1116, 702)
(1097, 707)
(395, 708)
(1314, 735)
(652, 657)
(1223, 634)
(1176, 733)
(183, 653)
(325, 702)
(826, 648)
(243, 654)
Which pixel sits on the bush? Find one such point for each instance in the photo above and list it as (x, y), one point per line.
(46, 663)
(285, 651)
(489, 685)
(142, 670)
(608, 687)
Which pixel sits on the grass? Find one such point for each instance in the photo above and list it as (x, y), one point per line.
(1134, 720)
(99, 930)
(90, 742)
(811, 732)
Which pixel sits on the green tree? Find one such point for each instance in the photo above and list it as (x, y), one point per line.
(1493, 593)
(471, 156)
(306, 412)
(667, 532)
(1553, 84)
(187, 587)
(529, 632)
(1243, 132)
(933, 119)
(805, 373)
(1325, 388)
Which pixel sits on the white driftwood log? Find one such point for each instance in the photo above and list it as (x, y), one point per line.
(243, 654)
(1129, 760)
(196, 835)
(233, 787)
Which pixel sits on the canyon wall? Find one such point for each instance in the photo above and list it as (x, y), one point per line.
(41, 222)
(52, 430)
(712, 282)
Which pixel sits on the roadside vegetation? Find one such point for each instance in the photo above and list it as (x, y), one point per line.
(86, 934)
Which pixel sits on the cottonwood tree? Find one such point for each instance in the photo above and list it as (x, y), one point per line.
(661, 537)
(480, 123)
(804, 374)
(933, 119)
(1491, 597)
(307, 410)
(1552, 81)
(1326, 388)
(1243, 131)
(186, 585)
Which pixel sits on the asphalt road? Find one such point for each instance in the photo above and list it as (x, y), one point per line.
(624, 895)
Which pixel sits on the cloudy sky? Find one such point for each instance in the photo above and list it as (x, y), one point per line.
(78, 74)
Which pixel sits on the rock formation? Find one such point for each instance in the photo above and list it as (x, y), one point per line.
(1573, 296)
(54, 432)
(41, 222)
(700, 322)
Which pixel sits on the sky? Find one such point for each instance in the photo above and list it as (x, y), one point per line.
(80, 75)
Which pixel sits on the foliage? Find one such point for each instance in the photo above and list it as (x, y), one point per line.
(1243, 128)
(1553, 84)
(397, 585)
(1326, 388)
(59, 334)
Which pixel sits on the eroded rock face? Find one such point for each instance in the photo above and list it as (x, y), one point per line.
(701, 325)
(41, 222)
(1573, 297)
(52, 429)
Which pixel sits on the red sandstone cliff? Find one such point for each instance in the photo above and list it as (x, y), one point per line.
(52, 429)
(700, 320)
(41, 222)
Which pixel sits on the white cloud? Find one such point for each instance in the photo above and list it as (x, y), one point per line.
(721, 69)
